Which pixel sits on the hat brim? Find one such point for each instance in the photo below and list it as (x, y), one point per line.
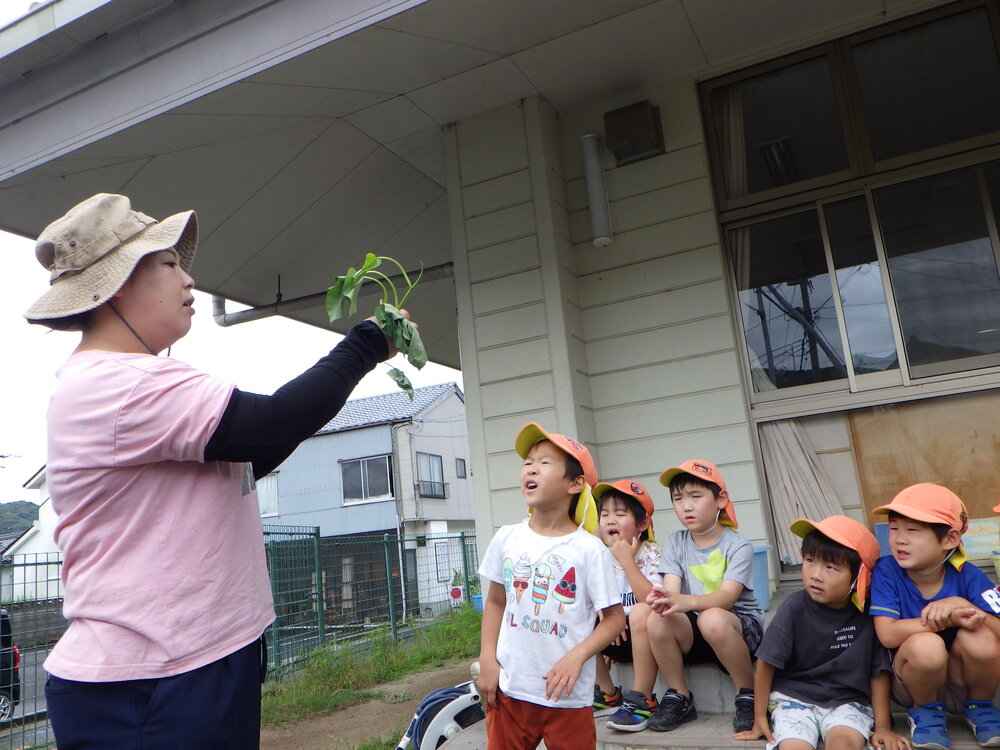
(528, 436)
(908, 512)
(73, 294)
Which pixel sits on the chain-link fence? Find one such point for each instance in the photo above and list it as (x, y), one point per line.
(325, 590)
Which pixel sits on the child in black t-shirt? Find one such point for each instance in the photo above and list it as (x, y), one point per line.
(820, 662)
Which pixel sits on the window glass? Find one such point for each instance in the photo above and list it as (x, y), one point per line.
(930, 85)
(786, 300)
(378, 477)
(353, 486)
(367, 479)
(430, 467)
(862, 294)
(778, 128)
(943, 271)
(460, 470)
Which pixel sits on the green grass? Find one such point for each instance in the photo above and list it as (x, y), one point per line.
(389, 742)
(334, 678)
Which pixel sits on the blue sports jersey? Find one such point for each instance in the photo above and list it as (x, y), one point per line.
(894, 595)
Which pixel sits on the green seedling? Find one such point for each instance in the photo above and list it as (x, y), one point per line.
(342, 301)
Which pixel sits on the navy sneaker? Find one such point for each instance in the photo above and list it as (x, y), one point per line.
(928, 727)
(984, 718)
(674, 710)
(634, 714)
(605, 705)
(744, 718)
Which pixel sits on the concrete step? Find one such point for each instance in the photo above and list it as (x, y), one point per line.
(707, 732)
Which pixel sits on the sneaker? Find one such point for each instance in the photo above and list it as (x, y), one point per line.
(674, 710)
(928, 729)
(634, 714)
(743, 721)
(984, 718)
(605, 705)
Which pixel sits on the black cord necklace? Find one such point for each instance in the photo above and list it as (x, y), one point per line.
(134, 332)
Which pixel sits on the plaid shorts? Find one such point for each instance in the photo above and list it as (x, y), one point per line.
(701, 652)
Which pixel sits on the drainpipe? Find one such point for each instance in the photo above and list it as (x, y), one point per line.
(284, 307)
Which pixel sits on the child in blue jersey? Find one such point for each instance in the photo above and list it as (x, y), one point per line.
(939, 617)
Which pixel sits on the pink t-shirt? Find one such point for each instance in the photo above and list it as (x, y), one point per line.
(164, 566)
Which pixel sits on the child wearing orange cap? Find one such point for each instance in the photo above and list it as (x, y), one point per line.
(626, 526)
(820, 664)
(706, 606)
(537, 664)
(939, 618)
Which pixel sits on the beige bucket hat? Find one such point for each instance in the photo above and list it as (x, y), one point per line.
(92, 250)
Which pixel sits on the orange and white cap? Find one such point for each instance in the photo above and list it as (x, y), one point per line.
(707, 472)
(853, 535)
(586, 509)
(632, 489)
(932, 503)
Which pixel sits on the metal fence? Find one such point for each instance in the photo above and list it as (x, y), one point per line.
(326, 591)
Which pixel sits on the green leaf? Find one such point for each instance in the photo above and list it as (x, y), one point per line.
(342, 297)
(416, 354)
(402, 381)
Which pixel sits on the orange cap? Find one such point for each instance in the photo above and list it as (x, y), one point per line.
(853, 535)
(586, 508)
(707, 472)
(532, 433)
(632, 489)
(932, 503)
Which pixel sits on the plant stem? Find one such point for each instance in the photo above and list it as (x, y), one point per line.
(372, 274)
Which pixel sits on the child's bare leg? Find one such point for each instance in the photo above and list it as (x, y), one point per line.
(670, 637)
(604, 681)
(975, 662)
(724, 633)
(795, 745)
(643, 662)
(843, 738)
(922, 664)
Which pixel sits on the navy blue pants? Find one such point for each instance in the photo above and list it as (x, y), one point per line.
(215, 707)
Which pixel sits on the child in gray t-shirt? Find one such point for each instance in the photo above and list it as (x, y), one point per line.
(706, 607)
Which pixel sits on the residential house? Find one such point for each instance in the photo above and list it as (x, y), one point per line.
(385, 467)
(780, 253)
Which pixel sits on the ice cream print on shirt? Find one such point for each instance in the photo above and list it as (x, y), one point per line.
(553, 587)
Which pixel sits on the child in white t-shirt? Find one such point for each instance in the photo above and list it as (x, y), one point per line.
(549, 577)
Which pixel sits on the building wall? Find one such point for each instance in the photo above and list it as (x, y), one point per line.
(649, 374)
(310, 485)
(440, 430)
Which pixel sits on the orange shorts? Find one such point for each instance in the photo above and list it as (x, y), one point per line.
(519, 725)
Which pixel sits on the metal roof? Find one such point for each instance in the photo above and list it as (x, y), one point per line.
(387, 408)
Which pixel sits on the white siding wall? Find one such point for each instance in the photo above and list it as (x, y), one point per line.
(646, 354)
(660, 347)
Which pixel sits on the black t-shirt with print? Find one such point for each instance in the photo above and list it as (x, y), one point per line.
(822, 655)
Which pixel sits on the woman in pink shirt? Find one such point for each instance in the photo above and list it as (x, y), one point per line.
(151, 469)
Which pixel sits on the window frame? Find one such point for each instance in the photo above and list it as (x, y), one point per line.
(391, 496)
(430, 487)
(847, 93)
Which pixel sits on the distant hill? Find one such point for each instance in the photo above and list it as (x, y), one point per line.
(17, 516)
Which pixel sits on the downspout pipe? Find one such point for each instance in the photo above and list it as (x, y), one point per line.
(282, 307)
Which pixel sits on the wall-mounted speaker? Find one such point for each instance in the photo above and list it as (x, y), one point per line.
(634, 132)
